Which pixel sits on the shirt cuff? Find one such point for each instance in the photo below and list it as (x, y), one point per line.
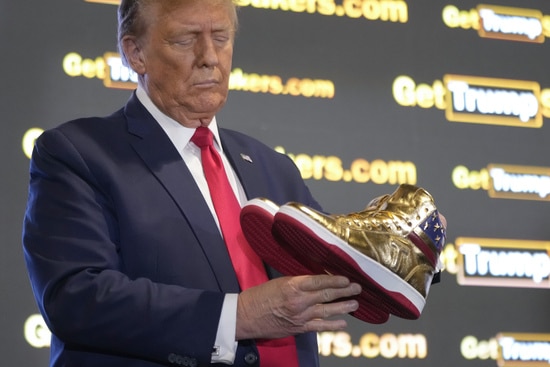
(225, 347)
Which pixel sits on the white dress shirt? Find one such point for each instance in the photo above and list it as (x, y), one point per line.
(226, 346)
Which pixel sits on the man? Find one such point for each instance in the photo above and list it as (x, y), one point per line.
(121, 239)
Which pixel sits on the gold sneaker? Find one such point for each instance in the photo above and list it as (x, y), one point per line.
(391, 248)
(257, 217)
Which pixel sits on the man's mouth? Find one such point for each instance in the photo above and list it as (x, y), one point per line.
(206, 83)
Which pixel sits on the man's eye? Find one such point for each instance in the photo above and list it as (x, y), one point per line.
(222, 38)
(183, 41)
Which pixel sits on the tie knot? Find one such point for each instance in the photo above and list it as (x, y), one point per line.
(202, 137)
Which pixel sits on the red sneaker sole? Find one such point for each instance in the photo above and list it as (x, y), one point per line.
(257, 219)
(316, 245)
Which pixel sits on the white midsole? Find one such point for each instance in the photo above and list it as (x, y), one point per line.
(382, 275)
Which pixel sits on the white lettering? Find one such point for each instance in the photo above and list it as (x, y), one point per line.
(520, 183)
(509, 264)
(118, 72)
(531, 351)
(508, 24)
(493, 101)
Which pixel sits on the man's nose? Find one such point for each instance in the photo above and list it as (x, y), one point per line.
(206, 52)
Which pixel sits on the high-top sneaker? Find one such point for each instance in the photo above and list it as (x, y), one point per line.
(256, 222)
(392, 250)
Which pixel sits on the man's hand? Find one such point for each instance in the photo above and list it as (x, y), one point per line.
(293, 305)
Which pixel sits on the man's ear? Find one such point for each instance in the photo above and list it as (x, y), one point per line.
(133, 53)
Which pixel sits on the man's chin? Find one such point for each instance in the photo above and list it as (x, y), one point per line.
(208, 106)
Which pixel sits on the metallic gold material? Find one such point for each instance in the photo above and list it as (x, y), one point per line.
(401, 231)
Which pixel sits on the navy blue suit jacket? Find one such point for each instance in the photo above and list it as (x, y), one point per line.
(125, 260)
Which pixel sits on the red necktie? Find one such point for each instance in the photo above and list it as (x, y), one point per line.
(248, 265)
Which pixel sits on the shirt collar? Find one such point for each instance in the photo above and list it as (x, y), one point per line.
(179, 134)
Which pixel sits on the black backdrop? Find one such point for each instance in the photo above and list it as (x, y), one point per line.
(358, 93)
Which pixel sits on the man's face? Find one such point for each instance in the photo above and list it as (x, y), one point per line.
(185, 57)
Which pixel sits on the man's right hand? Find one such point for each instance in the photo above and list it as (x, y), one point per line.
(294, 305)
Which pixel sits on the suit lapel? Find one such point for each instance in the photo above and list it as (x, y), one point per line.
(242, 161)
(159, 154)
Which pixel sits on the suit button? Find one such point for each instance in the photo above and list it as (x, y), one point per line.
(172, 358)
(251, 358)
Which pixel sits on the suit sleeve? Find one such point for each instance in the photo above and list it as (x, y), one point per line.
(71, 248)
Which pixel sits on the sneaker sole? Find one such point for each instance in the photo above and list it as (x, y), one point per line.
(257, 218)
(256, 221)
(316, 244)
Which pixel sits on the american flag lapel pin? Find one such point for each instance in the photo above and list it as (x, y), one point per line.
(246, 158)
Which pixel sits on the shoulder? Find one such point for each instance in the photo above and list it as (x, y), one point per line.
(92, 123)
(87, 136)
(87, 128)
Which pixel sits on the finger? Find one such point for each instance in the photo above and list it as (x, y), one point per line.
(331, 294)
(443, 220)
(322, 292)
(328, 310)
(310, 283)
(320, 325)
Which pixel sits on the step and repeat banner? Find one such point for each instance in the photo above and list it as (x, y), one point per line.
(363, 95)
